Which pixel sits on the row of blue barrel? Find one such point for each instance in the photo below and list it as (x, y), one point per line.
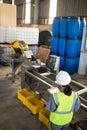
(66, 42)
(70, 65)
(69, 53)
(68, 27)
(66, 47)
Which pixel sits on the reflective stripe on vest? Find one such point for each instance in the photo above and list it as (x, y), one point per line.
(56, 98)
(64, 112)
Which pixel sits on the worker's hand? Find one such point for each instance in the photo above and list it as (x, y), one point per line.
(53, 90)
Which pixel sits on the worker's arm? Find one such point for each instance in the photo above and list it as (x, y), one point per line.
(53, 90)
(51, 106)
(77, 104)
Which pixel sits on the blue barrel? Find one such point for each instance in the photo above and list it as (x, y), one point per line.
(71, 65)
(73, 27)
(54, 45)
(55, 27)
(62, 27)
(53, 54)
(83, 24)
(62, 62)
(73, 47)
(61, 46)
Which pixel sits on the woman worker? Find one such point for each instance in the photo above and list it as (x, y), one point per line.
(62, 104)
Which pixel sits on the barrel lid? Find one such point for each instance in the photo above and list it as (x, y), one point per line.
(83, 18)
(57, 17)
(74, 17)
(64, 17)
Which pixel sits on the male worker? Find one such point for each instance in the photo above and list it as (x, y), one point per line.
(19, 47)
(63, 103)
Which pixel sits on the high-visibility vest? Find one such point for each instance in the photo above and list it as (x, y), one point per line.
(64, 111)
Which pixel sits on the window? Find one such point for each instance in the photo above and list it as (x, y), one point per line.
(27, 11)
(52, 11)
(1, 1)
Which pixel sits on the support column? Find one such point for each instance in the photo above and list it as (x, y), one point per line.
(36, 12)
(13, 2)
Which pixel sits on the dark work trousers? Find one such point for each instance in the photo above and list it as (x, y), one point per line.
(56, 127)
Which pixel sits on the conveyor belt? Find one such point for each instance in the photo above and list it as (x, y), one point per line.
(41, 82)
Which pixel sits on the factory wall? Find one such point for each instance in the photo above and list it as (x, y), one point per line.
(19, 1)
(7, 1)
(44, 11)
(20, 11)
(64, 8)
(72, 8)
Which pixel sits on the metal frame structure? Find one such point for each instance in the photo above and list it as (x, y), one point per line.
(43, 79)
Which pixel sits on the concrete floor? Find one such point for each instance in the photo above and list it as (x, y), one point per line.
(13, 114)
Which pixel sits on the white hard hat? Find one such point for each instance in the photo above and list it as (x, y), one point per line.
(63, 78)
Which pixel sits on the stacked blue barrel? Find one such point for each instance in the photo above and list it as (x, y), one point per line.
(59, 39)
(73, 45)
(66, 42)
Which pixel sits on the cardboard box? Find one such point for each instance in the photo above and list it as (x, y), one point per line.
(7, 15)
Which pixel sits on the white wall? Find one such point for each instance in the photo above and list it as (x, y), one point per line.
(83, 63)
(72, 8)
(83, 55)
